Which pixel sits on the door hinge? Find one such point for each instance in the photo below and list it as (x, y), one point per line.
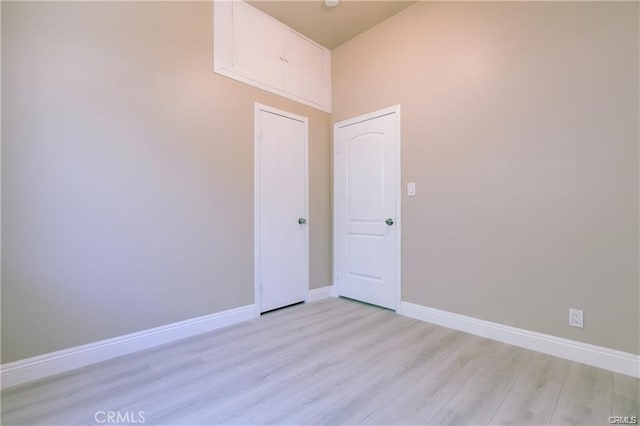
(260, 288)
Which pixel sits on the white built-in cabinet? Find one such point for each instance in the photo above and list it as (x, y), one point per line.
(252, 47)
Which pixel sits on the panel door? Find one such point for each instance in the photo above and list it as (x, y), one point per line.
(365, 197)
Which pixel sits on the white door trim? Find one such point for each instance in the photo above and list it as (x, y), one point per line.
(398, 177)
(256, 195)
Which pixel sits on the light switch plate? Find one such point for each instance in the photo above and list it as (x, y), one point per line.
(411, 189)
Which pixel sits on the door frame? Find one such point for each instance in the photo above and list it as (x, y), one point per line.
(256, 196)
(398, 184)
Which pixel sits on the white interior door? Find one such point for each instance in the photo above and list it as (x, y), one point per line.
(367, 208)
(282, 232)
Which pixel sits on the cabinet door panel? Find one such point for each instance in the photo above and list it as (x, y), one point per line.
(305, 70)
(257, 46)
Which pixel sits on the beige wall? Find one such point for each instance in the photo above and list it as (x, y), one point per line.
(127, 166)
(520, 128)
(127, 173)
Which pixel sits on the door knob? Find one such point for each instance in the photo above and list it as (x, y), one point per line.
(302, 221)
(389, 221)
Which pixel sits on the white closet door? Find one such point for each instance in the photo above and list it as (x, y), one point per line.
(282, 254)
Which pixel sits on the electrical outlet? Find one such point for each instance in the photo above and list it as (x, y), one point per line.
(575, 318)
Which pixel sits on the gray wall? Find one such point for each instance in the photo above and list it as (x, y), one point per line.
(520, 128)
(127, 173)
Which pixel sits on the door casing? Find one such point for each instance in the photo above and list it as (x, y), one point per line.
(256, 197)
(398, 184)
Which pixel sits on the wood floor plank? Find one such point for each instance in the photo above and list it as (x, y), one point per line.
(626, 396)
(477, 401)
(241, 337)
(335, 362)
(361, 379)
(366, 395)
(586, 397)
(80, 405)
(287, 389)
(246, 370)
(422, 399)
(49, 391)
(256, 345)
(310, 372)
(533, 397)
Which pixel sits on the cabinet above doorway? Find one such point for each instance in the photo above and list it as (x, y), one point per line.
(254, 48)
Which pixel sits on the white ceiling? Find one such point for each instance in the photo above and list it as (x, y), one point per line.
(330, 27)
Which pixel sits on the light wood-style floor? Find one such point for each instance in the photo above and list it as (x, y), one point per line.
(335, 362)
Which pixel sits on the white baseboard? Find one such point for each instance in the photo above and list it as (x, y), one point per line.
(41, 366)
(320, 293)
(597, 356)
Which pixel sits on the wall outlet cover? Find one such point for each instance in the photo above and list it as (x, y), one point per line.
(576, 318)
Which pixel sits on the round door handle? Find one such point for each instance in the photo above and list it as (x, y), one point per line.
(389, 221)
(302, 221)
